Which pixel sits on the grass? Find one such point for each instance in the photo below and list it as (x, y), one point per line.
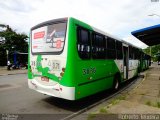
(103, 110)
(148, 103)
(122, 97)
(91, 116)
(157, 104)
(115, 101)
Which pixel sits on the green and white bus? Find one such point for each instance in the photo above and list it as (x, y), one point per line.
(70, 59)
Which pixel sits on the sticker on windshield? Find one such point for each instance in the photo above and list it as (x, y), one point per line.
(39, 35)
(58, 44)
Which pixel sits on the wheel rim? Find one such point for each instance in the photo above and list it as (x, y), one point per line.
(116, 85)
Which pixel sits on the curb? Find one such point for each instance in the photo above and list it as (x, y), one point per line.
(144, 78)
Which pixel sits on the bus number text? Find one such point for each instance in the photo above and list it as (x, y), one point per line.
(87, 71)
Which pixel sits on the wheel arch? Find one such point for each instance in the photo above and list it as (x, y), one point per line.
(118, 75)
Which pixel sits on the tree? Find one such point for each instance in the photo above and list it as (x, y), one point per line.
(154, 51)
(13, 42)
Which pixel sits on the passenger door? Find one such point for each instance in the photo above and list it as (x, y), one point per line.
(125, 62)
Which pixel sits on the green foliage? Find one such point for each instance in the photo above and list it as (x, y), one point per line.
(153, 50)
(148, 103)
(122, 97)
(115, 101)
(103, 110)
(3, 56)
(91, 116)
(158, 104)
(13, 42)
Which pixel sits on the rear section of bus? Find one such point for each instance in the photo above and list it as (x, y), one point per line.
(48, 57)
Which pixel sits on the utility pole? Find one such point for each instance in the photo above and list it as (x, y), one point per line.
(7, 55)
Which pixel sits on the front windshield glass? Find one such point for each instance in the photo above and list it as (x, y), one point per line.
(49, 38)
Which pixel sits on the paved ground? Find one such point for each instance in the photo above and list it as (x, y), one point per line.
(4, 71)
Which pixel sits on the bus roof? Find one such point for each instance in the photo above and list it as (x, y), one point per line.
(49, 22)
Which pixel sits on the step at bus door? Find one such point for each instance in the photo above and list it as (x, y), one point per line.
(125, 62)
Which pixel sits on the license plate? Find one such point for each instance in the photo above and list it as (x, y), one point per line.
(45, 79)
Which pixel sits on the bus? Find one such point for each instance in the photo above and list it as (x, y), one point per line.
(71, 59)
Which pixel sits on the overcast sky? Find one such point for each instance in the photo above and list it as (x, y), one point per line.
(117, 17)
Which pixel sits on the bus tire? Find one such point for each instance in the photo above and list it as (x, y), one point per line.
(116, 83)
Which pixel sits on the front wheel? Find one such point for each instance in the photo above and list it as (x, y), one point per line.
(116, 84)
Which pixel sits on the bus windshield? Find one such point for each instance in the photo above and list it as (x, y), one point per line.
(49, 38)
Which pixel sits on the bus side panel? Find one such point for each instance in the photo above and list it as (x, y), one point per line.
(100, 77)
(93, 87)
(133, 68)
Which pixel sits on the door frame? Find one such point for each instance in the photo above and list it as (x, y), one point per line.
(125, 61)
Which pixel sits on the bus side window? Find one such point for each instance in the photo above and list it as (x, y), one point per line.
(119, 50)
(137, 54)
(111, 48)
(98, 46)
(83, 43)
(131, 53)
(101, 45)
